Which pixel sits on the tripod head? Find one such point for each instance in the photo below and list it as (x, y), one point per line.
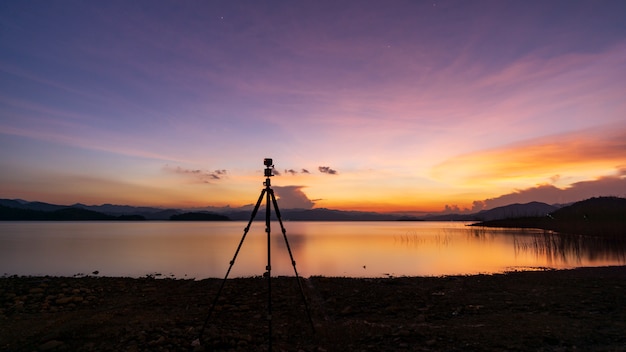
(268, 172)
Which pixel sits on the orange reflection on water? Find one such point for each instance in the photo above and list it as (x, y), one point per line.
(354, 249)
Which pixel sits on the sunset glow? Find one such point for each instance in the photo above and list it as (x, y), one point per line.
(405, 106)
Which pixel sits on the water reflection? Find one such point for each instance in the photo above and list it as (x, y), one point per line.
(415, 239)
(559, 248)
(355, 249)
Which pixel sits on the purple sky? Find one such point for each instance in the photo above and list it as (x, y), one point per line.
(378, 105)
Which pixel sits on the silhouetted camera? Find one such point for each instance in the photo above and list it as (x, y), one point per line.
(269, 164)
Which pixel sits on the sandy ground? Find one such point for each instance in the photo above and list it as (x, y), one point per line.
(582, 309)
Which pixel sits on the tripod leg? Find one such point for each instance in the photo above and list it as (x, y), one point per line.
(232, 262)
(293, 262)
(268, 210)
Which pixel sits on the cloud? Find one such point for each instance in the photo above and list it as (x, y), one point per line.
(294, 172)
(451, 209)
(614, 185)
(327, 170)
(199, 176)
(540, 158)
(292, 197)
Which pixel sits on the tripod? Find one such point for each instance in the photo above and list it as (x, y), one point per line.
(268, 193)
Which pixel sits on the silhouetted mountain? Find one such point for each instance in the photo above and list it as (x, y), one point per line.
(450, 217)
(594, 210)
(199, 216)
(162, 214)
(504, 212)
(130, 218)
(30, 205)
(534, 210)
(516, 211)
(117, 210)
(78, 214)
(11, 203)
(60, 214)
(12, 213)
(603, 216)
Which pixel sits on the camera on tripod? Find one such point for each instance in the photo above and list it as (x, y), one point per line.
(270, 198)
(269, 164)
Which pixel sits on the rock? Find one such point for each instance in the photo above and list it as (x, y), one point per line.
(403, 333)
(347, 310)
(64, 300)
(50, 345)
(158, 341)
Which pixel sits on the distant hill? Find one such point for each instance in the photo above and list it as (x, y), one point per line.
(449, 217)
(116, 211)
(40, 206)
(602, 216)
(504, 212)
(594, 210)
(148, 213)
(60, 214)
(516, 211)
(199, 216)
(38, 211)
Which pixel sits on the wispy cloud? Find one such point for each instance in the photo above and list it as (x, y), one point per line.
(197, 175)
(293, 172)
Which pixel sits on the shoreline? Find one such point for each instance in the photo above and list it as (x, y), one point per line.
(567, 309)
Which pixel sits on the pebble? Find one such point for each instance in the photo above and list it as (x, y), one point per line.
(64, 300)
(50, 345)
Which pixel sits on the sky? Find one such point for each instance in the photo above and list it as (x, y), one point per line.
(393, 106)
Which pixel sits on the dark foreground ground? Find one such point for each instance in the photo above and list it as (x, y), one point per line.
(582, 309)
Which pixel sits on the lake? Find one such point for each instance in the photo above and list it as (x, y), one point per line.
(353, 249)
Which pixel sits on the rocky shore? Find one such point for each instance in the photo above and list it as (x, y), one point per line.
(582, 309)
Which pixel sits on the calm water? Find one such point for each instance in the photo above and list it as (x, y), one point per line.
(355, 249)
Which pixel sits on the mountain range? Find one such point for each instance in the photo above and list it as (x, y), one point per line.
(17, 209)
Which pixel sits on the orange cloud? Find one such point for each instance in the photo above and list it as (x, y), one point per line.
(575, 155)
